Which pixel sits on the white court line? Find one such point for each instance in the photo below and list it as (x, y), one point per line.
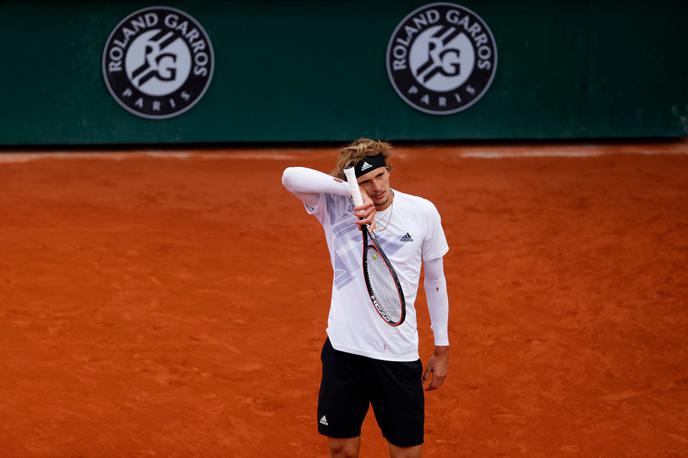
(28, 157)
(276, 154)
(498, 155)
(573, 153)
(179, 155)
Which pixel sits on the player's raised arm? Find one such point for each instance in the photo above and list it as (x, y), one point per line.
(435, 286)
(307, 184)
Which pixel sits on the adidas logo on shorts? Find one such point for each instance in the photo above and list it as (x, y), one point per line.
(323, 421)
(406, 238)
(365, 166)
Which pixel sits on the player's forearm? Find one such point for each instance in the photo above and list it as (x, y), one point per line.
(302, 180)
(435, 286)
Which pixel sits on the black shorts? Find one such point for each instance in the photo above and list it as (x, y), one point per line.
(350, 383)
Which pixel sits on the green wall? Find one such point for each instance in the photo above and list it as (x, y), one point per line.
(315, 71)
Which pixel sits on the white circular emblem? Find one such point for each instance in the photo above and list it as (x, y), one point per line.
(158, 62)
(441, 58)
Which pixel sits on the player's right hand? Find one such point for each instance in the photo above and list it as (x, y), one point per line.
(365, 213)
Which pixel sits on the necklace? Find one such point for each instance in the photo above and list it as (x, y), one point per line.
(389, 217)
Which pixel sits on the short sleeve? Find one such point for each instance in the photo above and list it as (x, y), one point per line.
(319, 210)
(435, 243)
(330, 208)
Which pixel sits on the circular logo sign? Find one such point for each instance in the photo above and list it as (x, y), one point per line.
(441, 58)
(158, 62)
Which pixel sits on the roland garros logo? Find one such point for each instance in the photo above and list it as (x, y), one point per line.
(158, 62)
(441, 58)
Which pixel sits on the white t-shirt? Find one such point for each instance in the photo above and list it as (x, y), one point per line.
(409, 231)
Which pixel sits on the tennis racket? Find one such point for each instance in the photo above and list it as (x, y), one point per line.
(380, 278)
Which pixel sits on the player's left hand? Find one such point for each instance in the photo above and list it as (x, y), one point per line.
(438, 366)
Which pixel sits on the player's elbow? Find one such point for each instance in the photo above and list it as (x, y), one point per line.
(435, 279)
(435, 285)
(288, 178)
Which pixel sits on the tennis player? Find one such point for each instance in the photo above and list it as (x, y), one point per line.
(365, 361)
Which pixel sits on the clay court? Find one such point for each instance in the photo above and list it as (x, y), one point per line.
(173, 304)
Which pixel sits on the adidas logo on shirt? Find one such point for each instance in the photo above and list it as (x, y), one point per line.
(323, 421)
(365, 166)
(406, 238)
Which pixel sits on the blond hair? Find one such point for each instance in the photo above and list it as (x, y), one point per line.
(357, 150)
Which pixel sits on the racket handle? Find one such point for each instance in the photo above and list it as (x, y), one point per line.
(353, 186)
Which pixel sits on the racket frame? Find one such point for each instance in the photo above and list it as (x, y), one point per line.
(375, 245)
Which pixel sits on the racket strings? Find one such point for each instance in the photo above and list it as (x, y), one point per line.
(387, 297)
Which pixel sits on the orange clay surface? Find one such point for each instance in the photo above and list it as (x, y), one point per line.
(174, 304)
